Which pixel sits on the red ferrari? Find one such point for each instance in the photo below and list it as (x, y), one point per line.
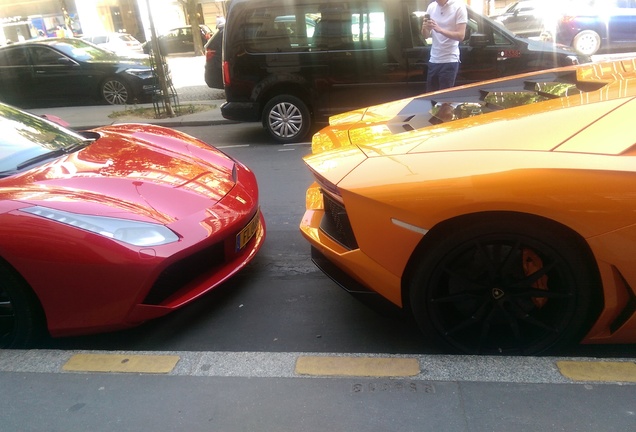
(105, 229)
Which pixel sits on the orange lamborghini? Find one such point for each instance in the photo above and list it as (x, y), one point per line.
(502, 215)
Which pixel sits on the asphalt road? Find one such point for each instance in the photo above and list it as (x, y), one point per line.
(282, 348)
(281, 302)
(237, 355)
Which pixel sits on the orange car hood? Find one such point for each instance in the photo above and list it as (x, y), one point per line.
(553, 125)
(409, 125)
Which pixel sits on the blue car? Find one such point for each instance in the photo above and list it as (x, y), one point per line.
(598, 25)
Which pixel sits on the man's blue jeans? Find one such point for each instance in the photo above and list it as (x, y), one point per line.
(441, 76)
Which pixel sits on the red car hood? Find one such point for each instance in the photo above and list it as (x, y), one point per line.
(136, 171)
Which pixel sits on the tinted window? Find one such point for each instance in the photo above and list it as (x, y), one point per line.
(314, 28)
(80, 50)
(44, 56)
(13, 57)
(475, 25)
(495, 101)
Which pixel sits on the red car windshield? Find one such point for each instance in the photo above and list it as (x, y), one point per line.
(26, 138)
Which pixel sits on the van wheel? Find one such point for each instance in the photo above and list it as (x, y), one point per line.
(287, 119)
(587, 42)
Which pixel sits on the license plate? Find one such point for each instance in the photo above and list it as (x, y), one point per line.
(247, 233)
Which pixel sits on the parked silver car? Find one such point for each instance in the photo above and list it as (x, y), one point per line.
(119, 43)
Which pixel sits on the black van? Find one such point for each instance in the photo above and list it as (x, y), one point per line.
(290, 64)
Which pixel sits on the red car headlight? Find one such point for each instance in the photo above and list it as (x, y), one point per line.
(127, 231)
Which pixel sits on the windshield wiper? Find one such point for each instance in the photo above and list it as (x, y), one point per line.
(54, 154)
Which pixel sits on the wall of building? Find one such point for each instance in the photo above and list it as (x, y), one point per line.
(211, 10)
(23, 18)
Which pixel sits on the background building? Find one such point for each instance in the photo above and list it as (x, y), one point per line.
(26, 19)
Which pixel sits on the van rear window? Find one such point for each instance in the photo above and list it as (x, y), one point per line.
(318, 27)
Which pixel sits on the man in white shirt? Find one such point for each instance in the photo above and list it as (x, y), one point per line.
(446, 25)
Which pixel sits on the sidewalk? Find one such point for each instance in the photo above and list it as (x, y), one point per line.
(188, 81)
(88, 117)
(297, 392)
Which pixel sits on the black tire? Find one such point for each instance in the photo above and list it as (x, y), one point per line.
(287, 119)
(21, 317)
(115, 91)
(472, 293)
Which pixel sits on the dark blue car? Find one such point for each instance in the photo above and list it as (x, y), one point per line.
(598, 25)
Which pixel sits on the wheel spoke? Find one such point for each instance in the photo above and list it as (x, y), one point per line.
(485, 330)
(501, 288)
(499, 256)
(512, 323)
(539, 293)
(285, 120)
(524, 316)
(473, 319)
(531, 279)
(457, 297)
(115, 93)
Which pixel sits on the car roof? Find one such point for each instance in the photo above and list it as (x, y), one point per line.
(47, 41)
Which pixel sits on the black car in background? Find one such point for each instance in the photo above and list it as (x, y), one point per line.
(59, 69)
(291, 65)
(179, 40)
(214, 60)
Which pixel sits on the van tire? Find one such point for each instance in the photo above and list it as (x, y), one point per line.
(287, 119)
(587, 42)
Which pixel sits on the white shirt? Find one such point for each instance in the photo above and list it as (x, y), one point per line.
(446, 50)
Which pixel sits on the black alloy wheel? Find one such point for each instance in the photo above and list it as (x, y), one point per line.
(287, 119)
(499, 287)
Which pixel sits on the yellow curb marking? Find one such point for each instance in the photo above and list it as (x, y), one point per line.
(157, 364)
(598, 371)
(357, 366)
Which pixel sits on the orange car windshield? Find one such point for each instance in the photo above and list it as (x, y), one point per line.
(443, 112)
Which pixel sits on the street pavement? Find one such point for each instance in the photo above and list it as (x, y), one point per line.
(54, 390)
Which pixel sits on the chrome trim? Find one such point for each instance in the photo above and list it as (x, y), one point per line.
(409, 227)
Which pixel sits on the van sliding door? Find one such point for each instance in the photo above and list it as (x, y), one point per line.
(365, 62)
